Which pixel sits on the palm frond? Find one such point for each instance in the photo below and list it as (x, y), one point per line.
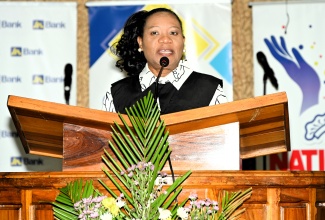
(231, 203)
(63, 206)
(144, 141)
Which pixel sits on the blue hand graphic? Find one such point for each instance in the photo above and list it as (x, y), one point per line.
(298, 70)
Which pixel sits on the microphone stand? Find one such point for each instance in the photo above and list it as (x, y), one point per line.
(163, 64)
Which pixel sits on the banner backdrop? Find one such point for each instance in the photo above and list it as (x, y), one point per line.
(37, 48)
(289, 39)
(207, 39)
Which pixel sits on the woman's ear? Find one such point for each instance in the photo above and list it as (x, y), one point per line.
(139, 39)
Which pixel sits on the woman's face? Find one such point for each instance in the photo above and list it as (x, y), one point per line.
(162, 36)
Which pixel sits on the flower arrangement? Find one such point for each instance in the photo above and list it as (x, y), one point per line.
(135, 170)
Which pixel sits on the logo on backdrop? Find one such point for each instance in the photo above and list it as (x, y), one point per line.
(40, 79)
(10, 79)
(298, 69)
(19, 161)
(8, 134)
(23, 51)
(38, 25)
(315, 128)
(10, 24)
(41, 25)
(16, 51)
(306, 77)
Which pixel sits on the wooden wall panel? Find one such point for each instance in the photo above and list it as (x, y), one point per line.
(10, 212)
(276, 195)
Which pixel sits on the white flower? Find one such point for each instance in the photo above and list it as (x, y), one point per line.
(106, 216)
(120, 203)
(158, 181)
(164, 214)
(181, 212)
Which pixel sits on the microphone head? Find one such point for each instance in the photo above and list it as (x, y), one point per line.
(164, 61)
(68, 74)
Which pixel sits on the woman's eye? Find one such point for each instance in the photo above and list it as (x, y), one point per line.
(154, 33)
(174, 33)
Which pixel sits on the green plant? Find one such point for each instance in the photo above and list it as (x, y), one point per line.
(140, 153)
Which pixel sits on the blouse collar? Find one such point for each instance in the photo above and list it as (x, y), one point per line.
(176, 77)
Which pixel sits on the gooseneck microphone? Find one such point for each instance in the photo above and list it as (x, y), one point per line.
(164, 61)
(67, 82)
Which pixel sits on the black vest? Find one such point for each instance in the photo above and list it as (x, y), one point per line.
(197, 91)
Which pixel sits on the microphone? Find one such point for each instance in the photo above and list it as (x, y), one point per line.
(164, 61)
(67, 82)
(268, 71)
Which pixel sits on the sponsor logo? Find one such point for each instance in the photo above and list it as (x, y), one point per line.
(38, 79)
(10, 79)
(16, 161)
(8, 134)
(38, 25)
(10, 24)
(41, 25)
(20, 51)
(19, 161)
(44, 79)
(16, 51)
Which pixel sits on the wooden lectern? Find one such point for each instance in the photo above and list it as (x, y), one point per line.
(78, 136)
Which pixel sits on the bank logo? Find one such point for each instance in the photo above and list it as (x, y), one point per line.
(10, 24)
(16, 51)
(20, 51)
(8, 134)
(19, 161)
(38, 79)
(38, 24)
(16, 161)
(42, 25)
(9, 79)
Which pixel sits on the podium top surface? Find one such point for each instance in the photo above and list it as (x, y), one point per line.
(263, 120)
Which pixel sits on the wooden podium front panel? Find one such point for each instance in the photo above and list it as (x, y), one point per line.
(215, 148)
(264, 123)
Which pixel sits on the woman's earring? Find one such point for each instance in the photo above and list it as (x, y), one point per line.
(184, 54)
(140, 50)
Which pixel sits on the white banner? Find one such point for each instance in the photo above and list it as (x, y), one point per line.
(37, 50)
(289, 39)
(207, 39)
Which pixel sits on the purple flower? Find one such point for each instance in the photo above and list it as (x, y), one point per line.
(94, 215)
(207, 202)
(121, 196)
(197, 204)
(193, 196)
(76, 205)
(216, 208)
(98, 198)
(130, 174)
(141, 166)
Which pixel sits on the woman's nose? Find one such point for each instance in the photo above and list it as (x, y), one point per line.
(165, 39)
